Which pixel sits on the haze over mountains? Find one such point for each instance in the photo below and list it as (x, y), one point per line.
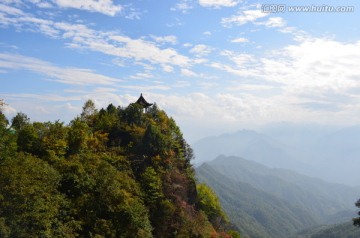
(326, 152)
(266, 202)
(285, 180)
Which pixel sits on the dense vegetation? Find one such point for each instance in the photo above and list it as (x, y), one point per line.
(116, 172)
(255, 213)
(356, 221)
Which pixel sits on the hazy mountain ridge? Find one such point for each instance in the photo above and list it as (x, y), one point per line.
(289, 185)
(253, 146)
(344, 230)
(252, 194)
(325, 152)
(255, 212)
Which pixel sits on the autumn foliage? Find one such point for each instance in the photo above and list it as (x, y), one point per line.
(113, 172)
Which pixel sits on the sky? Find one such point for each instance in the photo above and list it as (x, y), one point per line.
(212, 65)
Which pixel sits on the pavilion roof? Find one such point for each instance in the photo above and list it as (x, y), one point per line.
(143, 102)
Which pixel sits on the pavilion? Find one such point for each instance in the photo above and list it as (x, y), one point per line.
(141, 101)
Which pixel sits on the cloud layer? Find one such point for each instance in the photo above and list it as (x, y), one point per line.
(69, 75)
(209, 63)
(102, 6)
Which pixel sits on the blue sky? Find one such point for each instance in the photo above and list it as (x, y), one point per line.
(213, 65)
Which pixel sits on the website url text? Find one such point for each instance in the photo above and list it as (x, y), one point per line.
(281, 8)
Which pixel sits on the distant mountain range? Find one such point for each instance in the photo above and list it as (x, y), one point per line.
(266, 202)
(344, 230)
(325, 152)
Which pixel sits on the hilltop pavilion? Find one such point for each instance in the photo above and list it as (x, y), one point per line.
(141, 101)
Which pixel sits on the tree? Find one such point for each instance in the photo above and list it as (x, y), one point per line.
(113, 173)
(107, 120)
(35, 137)
(88, 112)
(30, 205)
(154, 142)
(8, 146)
(151, 184)
(19, 121)
(356, 221)
(54, 140)
(76, 137)
(133, 114)
(209, 203)
(3, 121)
(105, 200)
(28, 140)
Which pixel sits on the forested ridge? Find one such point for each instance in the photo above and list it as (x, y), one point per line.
(347, 230)
(113, 172)
(265, 202)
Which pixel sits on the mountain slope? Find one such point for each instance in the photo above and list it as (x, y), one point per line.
(255, 212)
(344, 230)
(321, 199)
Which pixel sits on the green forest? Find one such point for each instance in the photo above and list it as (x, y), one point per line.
(113, 172)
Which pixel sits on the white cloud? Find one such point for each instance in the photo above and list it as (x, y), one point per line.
(276, 22)
(200, 61)
(146, 88)
(240, 40)
(175, 23)
(184, 6)
(110, 43)
(201, 50)
(218, 3)
(131, 13)
(75, 76)
(165, 39)
(311, 75)
(42, 3)
(11, 10)
(188, 73)
(17, 2)
(45, 107)
(247, 16)
(318, 63)
(307, 73)
(298, 35)
(106, 7)
(181, 84)
(9, 111)
(44, 97)
(167, 68)
(142, 76)
(221, 112)
(105, 90)
(197, 112)
(140, 49)
(250, 87)
(245, 65)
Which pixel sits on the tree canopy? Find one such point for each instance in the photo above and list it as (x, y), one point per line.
(356, 221)
(113, 172)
